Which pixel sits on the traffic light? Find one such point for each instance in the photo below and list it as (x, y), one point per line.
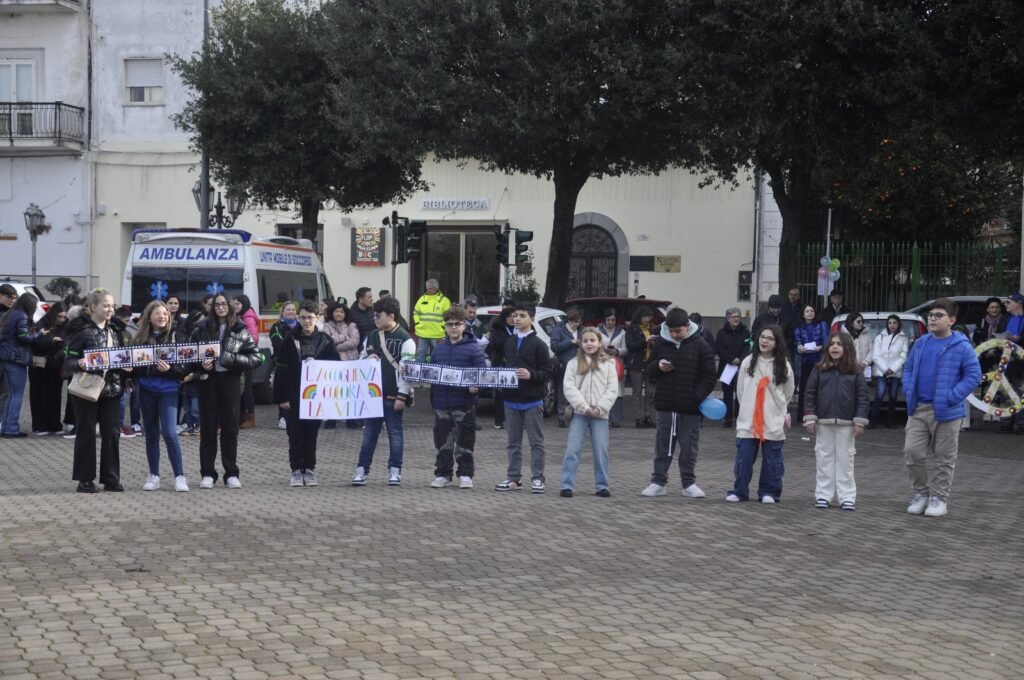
(503, 246)
(414, 239)
(522, 238)
(400, 230)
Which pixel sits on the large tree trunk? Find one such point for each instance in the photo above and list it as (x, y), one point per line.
(569, 182)
(791, 186)
(310, 208)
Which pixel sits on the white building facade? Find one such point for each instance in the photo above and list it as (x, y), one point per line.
(662, 236)
(44, 136)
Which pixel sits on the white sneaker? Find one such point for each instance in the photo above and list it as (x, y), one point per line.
(137, 429)
(653, 490)
(281, 424)
(182, 428)
(439, 482)
(152, 483)
(918, 505)
(732, 498)
(309, 477)
(537, 486)
(296, 479)
(693, 491)
(206, 483)
(180, 483)
(768, 499)
(936, 507)
(359, 478)
(465, 482)
(233, 483)
(394, 476)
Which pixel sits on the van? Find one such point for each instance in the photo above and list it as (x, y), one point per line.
(191, 264)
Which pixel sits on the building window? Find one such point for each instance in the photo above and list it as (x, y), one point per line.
(144, 81)
(17, 84)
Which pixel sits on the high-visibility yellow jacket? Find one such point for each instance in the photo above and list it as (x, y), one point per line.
(428, 315)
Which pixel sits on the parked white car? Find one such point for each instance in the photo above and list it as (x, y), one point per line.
(25, 287)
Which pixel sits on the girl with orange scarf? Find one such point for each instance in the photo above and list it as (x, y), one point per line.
(764, 387)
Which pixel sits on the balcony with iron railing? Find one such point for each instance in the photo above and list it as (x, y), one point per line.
(38, 6)
(41, 128)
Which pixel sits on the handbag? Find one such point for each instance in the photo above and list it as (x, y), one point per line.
(89, 386)
(38, 362)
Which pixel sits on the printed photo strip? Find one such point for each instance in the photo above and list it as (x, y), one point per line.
(146, 355)
(460, 377)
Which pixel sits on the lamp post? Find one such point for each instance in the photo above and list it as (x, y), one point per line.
(218, 218)
(35, 222)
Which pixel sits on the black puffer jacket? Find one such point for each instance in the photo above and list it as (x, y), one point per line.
(731, 343)
(287, 380)
(533, 355)
(836, 398)
(238, 351)
(692, 377)
(83, 334)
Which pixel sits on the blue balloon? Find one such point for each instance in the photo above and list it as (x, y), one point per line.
(825, 260)
(713, 409)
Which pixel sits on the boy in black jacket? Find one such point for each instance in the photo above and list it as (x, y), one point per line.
(524, 406)
(682, 369)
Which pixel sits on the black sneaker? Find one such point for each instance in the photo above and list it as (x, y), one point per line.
(639, 423)
(87, 487)
(603, 493)
(648, 422)
(565, 493)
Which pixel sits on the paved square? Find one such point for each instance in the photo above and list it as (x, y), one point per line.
(380, 582)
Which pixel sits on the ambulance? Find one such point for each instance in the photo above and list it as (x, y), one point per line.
(191, 264)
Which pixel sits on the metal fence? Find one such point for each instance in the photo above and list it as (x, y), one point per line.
(898, 275)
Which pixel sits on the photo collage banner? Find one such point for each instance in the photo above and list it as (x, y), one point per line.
(147, 355)
(454, 376)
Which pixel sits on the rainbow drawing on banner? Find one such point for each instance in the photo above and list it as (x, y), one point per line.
(374, 390)
(309, 392)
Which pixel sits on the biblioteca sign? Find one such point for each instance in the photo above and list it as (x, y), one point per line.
(456, 204)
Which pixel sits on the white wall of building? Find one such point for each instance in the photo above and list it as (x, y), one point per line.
(56, 42)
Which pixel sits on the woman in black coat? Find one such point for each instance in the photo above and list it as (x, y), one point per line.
(46, 382)
(732, 344)
(305, 343)
(220, 390)
(501, 330)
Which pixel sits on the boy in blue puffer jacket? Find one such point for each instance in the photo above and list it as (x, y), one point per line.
(455, 407)
(941, 370)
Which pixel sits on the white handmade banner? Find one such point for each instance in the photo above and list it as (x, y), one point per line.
(341, 390)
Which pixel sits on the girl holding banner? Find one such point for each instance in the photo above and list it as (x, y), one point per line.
(158, 395)
(221, 388)
(305, 343)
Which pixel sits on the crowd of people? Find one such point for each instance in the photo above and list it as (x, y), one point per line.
(673, 367)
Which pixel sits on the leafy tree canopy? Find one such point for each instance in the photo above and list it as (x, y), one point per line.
(264, 110)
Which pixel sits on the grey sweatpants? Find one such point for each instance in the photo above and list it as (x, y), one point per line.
(687, 435)
(515, 421)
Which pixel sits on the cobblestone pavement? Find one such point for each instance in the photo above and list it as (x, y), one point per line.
(380, 582)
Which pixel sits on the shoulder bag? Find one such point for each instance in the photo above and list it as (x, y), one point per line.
(89, 386)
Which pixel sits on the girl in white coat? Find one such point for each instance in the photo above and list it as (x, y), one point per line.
(591, 387)
(888, 355)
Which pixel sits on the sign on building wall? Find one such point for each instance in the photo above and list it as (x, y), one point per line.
(368, 247)
(456, 204)
(666, 264)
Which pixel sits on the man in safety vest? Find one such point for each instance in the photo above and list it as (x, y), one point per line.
(428, 319)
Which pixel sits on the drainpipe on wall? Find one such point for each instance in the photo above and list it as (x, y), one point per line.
(755, 283)
(89, 191)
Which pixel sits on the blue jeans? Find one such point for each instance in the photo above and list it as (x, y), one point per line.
(160, 416)
(598, 441)
(396, 437)
(884, 386)
(424, 347)
(17, 376)
(190, 410)
(130, 398)
(772, 468)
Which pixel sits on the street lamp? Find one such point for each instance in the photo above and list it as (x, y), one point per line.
(35, 222)
(218, 218)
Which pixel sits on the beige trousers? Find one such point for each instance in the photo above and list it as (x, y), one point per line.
(926, 438)
(833, 452)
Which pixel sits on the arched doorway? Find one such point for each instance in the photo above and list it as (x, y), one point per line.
(593, 270)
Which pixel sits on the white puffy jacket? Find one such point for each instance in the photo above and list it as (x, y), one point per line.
(889, 353)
